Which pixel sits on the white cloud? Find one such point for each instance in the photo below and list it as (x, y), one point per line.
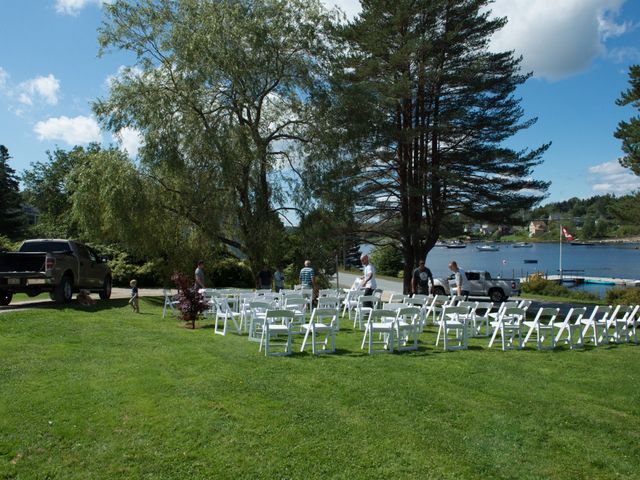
(557, 38)
(74, 131)
(130, 140)
(73, 7)
(4, 76)
(46, 88)
(611, 177)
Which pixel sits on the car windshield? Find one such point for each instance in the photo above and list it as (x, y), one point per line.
(45, 247)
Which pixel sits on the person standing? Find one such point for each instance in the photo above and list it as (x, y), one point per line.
(420, 279)
(368, 278)
(278, 279)
(307, 276)
(462, 284)
(264, 279)
(134, 301)
(199, 276)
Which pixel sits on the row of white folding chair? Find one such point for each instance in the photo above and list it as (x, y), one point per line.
(543, 326)
(281, 323)
(508, 324)
(395, 328)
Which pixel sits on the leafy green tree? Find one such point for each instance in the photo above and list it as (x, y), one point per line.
(220, 91)
(629, 132)
(387, 259)
(12, 222)
(46, 188)
(425, 110)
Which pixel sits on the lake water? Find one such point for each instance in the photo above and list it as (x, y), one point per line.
(601, 260)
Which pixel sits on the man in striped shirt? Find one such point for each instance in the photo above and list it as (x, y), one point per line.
(308, 276)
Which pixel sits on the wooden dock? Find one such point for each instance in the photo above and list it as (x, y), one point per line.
(581, 279)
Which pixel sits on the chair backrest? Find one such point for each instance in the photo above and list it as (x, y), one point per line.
(456, 310)
(294, 300)
(393, 306)
(324, 315)
(378, 293)
(328, 302)
(466, 303)
(455, 299)
(409, 315)
(396, 297)
(514, 314)
(367, 299)
(420, 302)
(483, 308)
(420, 296)
(525, 304)
(546, 315)
(382, 316)
(439, 300)
(279, 316)
(574, 316)
(260, 305)
(327, 292)
(600, 312)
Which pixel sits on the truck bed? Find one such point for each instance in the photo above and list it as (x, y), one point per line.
(14, 262)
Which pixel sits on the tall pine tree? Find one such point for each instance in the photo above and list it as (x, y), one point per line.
(426, 110)
(629, 132)
(11, 216)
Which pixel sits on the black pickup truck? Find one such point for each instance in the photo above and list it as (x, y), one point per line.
(60, 267)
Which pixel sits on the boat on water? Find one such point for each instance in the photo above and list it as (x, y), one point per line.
(530, 261)
(487, 248)
(583, 244)
(456, 245)
(522, 245)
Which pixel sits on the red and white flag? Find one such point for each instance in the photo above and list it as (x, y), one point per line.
(566, 234)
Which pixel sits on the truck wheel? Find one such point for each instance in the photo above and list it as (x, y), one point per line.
(64, 291)
(5, 298)
(105, 293)
(438, 291)
(497, 295)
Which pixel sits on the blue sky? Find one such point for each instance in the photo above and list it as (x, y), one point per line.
(579, 51)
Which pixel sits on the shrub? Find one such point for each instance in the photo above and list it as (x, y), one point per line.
(230, 272)
(191, 302)
(387, 260)
(7, 245)
(623, 296)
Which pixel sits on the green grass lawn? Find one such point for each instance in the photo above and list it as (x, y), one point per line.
(104, 393)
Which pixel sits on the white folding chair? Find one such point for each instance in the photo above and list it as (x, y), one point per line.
(509, 325)
(407, 325)
(632, 324)
(396, 297)
(228, 316)
(323, 322)
(331, 303)
(381, 322)
(543, 326)
(169, 302)
(480, 318)
(351, 301)
(277, 323)
(297, 305)
(598, 323)
(572, 323)
(362, 311)
(435, 308)
(453, 319)
(256, 314)
(619, 323)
